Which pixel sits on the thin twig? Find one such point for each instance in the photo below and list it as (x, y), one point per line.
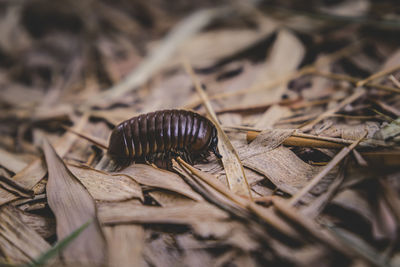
(233, 166)
(378, 75)
(314, 181)
(244, 203)
(96, 141)
(356, 95)
(353, 80)
(394, 80)
(296, 134)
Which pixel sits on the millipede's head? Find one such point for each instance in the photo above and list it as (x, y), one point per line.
(214, 143)
(117, 148)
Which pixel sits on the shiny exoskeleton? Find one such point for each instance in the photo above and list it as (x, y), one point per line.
(159, 136)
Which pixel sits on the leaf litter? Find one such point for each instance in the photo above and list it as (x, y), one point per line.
(305, 98)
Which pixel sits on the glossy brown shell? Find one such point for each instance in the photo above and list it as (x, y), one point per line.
(162, 135)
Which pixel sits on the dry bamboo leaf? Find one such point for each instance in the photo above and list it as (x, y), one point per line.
(29, 176)
(280, 165)
(150, 176)
(358, 92)
(384, 226)
(354, 201)
(225, 199)
(390, 194)
(44, 226)
(193, 255)
(11, 162)
(73, 207)
(267, 140)
(36, 170)
(244, 259)
(183, 31)
(114, 116)
(169, 199)
(272, 115)
(311, 227)
(106, 187)
(125, 245)
(324, 171)
(356, 245)
(233, 167)
(160, 251)
(207, 48)
(284, 57)
(313, 209)
(169, 93)
(17, 239)
(352, 132)
(21, 96)
(117, 213)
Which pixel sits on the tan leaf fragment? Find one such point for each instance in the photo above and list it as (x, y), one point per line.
(125, 245)
(11, 162)
(19, 242)
(280, 165)
(150, 176)
(284, 57)
(233, 167)
(106, 187)
(115, 213)
(73, 206)
(169, 199)
(36, 170)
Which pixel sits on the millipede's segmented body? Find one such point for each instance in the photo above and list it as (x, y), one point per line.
(162, 135)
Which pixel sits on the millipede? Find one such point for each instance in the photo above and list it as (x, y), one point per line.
(160, 136)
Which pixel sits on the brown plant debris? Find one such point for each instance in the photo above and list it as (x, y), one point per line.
(305, 98)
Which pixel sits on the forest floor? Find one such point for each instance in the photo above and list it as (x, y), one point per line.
(305, 98)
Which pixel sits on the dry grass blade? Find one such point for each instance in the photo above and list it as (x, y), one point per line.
(395, 81)
(314, 181)
(356, 95)
(233, 167)
(378, 75)
(72, 207)
(342, 77)
(300, 141)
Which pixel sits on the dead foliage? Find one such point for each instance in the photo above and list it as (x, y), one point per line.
(305, 97)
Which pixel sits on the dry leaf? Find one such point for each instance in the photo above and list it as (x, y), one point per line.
(73, 207)
(125, 244)
(19, 242)
(116, 213)
(11, 162)
(280, 165)
(35, 171)
(148, 175)
(106, 187)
